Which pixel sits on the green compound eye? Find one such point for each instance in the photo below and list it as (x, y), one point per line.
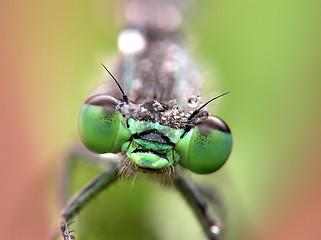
(101, 127)
(205, 148)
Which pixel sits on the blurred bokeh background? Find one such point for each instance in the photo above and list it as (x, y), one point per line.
(266, 52)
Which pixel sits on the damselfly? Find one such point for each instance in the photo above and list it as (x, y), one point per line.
(150, 120)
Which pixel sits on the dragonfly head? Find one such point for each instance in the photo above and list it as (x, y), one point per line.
(154, 135)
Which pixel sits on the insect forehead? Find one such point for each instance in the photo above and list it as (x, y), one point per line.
(156, 115)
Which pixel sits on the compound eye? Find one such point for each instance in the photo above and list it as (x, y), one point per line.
(102, 128)
(206, 147)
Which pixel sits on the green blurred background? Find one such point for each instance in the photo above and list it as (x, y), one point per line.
(266, 52)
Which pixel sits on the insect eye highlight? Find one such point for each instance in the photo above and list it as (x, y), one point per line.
(206, 147)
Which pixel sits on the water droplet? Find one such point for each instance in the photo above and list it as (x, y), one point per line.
(203, 115)
(192, 101)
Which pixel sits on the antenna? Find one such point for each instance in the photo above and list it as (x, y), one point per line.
(124, 95)
(198, 110)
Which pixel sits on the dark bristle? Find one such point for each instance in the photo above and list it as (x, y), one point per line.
(112, 76)
(198, 110)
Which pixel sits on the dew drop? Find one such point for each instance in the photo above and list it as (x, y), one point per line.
(192, 101)
(203, 115)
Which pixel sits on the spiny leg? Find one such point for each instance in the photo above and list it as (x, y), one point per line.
(78, 153)
(83, 197)
(194, 198)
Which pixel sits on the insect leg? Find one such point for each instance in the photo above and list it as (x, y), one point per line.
(215, 199)
(78, 153)
(83, 197)
(194, 198)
